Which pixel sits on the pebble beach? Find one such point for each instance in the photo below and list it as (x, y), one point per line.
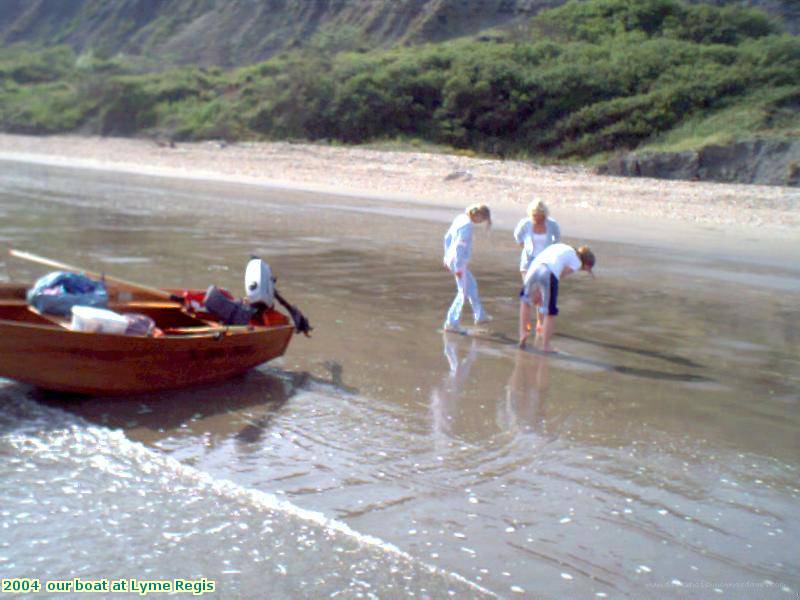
(426, 177)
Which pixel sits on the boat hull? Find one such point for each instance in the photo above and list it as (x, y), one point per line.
(58, 359)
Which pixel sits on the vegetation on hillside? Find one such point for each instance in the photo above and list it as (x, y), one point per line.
(584, 79)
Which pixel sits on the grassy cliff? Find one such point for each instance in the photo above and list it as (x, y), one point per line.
(577, 82)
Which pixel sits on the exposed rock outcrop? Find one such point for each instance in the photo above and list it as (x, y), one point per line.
(768, 162)
(231, 33)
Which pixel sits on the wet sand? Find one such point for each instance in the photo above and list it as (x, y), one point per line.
(657, 454)
(760, 223)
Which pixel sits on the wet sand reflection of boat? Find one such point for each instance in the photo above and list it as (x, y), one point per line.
(42, 351)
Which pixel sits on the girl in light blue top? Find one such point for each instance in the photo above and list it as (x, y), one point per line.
(457, 252)
(535, 233)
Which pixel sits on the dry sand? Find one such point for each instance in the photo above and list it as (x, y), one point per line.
(434, 178)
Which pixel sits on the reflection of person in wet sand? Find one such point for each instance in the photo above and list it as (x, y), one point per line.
(446, 398)
(540, 287)
(526, 392)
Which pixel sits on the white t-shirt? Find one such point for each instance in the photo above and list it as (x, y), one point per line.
(556, 257)
(533, 243)
(540, 242)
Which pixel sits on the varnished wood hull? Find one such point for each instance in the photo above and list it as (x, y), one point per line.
(49, 355)
(102, 364)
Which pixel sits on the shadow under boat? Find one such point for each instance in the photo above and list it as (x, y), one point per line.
(168, 410)
(258, 395)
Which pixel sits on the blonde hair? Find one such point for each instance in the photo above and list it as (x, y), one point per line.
(586, 255)
(480, 210)
(539, 206)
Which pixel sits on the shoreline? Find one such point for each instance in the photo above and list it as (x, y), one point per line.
(739, 217)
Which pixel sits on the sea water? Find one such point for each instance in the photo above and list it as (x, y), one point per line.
(656, 456)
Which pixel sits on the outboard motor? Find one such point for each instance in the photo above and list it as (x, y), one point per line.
(259, 284)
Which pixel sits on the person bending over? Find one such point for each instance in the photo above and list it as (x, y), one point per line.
(540, 287)
(534, 233)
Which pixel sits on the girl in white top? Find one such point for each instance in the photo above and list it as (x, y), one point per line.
(457, 252)
(540, 287)
(535, 233)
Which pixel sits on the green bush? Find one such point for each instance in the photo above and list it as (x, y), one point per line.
(50, 108)
(706, 24)
(590, 77)
(126, 107)
(597, 20)
(26, 65)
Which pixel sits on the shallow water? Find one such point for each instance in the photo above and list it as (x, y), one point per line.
(657, 456)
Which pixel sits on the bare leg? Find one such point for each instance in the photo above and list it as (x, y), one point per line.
(524, 322)
(548, 329)
(537, 301)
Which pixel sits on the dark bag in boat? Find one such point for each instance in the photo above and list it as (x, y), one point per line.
(229, 312)
(139, 324)
(56, 293)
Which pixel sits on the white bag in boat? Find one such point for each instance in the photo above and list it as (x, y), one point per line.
(258, 283)
(97, 320)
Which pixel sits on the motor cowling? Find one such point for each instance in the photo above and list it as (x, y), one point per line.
(259, 285)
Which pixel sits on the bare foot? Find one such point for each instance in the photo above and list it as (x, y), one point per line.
(549, 349)
(522, 342)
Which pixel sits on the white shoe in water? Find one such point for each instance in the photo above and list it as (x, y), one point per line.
(454, 329)
(484, 320)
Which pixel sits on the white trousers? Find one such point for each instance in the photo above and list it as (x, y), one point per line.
(467, 287)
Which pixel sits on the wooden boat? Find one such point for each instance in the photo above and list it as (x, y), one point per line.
(43, 351)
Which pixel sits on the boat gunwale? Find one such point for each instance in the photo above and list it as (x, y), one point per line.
(209, 332)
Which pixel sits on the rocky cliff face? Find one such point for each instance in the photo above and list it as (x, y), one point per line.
(768, 162)
(237, 32)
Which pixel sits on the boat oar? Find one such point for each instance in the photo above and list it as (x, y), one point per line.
(123, 283)
(301, 324)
